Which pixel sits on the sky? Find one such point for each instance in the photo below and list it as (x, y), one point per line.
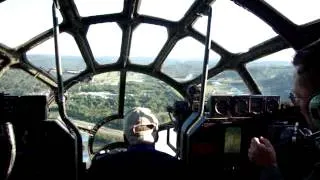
(233, 27)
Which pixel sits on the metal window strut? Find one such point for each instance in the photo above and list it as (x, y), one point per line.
(60, 93)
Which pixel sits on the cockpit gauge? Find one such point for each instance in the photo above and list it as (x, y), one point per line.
(222, 107)
(272, 104)
(240, 107)
(256, 105)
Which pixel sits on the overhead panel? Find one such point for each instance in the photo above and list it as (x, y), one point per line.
(298, 11)
(235, 28)
(166, 9)
(21, 21)
(43, 57)
(98, 7)
(105, 42)
(274, 73)
(147, 41)
(185, 61)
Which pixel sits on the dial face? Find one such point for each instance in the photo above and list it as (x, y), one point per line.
(240, 107)
(272, 105)
(256, 105)
(222, 107)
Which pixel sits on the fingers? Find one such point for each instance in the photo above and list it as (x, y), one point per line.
(253, 149)
(265, 141)
(256, 143)
(251, 153)
(255, 140)
(256, 147)
(261, 152)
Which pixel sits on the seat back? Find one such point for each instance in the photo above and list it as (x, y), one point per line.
(46, 149)
(139, 164)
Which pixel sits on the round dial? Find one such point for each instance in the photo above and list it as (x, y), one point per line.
(272, 105)
(241, 107)
(256, 106)
(222, 107)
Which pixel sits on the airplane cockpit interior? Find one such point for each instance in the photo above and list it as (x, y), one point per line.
(216, 73)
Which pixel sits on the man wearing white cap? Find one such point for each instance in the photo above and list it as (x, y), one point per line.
(140, 129)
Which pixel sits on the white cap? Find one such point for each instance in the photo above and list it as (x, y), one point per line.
(140, 126)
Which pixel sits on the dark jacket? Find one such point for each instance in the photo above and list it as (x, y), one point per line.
(273, 173)
(139, 161)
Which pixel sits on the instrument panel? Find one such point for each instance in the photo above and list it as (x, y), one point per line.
(241, 106)
(224, 137)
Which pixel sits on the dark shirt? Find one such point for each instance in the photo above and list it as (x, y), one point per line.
(273, 173)
(140, 160)
(142, 147)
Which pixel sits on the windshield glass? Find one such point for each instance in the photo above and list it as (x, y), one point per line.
(235, 28)
(226, 83)
(274, 73)
(16, 82)
(98, 7)
(155, 52)
(42, 56)
(20, 21)
(146, 91)
(299, 11)
(94, 100)
(167, 9)
(185, 61)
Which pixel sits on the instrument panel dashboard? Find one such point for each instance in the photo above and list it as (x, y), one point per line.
(241, 106)
(230, 123)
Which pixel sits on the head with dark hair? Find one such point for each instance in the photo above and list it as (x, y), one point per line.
(308, 58)
(307, 77)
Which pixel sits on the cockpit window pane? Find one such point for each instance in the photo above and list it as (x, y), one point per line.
(274, 73)
(20, 20)
(147, 41)
(235, 28)
(18, 83)
(53, 111)
(167, 9)
(105, 42)
(300, 11)
(94, 100)
(226, 83)
(185, 60)
(42, 56)
(146, 91)
(109, 133)
(98, 7)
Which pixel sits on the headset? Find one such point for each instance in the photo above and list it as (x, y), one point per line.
(314, 109)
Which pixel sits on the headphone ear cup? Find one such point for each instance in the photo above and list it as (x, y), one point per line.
(155, 135)
(314, 108)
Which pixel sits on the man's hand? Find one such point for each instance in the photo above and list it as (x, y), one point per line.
(262, 152)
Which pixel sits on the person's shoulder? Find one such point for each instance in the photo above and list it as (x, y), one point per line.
(165, 156)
